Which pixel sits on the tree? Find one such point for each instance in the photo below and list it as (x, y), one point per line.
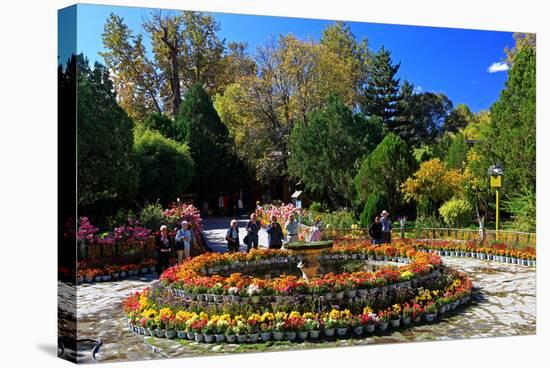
(165, 166)
(384, 169)
(381, 94)
(208, 141)
(134, 76)
(522, 40)
(458, 151)
(324, 153)
(432, 184)
(420, 116)
(510, 138)
(375, 204)
(106, 167)
(458, 119)
(164, 125)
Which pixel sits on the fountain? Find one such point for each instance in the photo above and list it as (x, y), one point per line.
(308, 252)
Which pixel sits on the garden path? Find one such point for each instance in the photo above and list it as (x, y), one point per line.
(215, 228)
(504, 305)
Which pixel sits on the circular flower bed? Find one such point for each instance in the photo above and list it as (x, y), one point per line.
(254, 297)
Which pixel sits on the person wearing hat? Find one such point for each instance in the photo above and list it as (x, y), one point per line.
(183, 242)
(164, 247)
(386, 227)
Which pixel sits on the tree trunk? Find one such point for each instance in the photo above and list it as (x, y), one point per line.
(175, 77)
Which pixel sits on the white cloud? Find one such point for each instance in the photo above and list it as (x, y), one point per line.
(417, 89)
(498, 67)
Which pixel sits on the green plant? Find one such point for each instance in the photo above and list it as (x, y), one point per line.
(152, 216)
(455, 212)
(376, 202)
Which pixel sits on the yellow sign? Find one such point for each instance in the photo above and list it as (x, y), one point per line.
(496, 181)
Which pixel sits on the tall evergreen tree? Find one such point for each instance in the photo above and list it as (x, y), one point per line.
(208, 140)
(381, 94)
(106, 165)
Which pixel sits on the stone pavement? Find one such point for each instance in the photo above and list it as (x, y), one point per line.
(504, 305)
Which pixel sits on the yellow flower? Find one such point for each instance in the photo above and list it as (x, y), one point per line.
(294, 314)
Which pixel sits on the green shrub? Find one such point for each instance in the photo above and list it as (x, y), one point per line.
(152, 216)
(316, 207)
(338, 219)
(455, 212)
(376, 202)
(120, 218)
(522, 207)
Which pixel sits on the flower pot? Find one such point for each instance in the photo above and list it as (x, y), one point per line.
(170, 334)
(339, 295)
(219, 337)
(231, 338)
(358, 331)
(266, 298)
(290, 335)
(161, 333)
(314, 334)
(245, 299)
(395, 322)
(429, 317)
(255, 299)
(209, 338)
(236, 298)
(383, 326)
(98, 278)
(152, 332)
(227, 298)
(144, 270)
(278, 335)
(514, 260)
(362, 292)
(253, 337)
(141, 330)
(88, 279)
(218, 298)
(115, 275)
(417, 319)
(351, 293)
(199, 337)
(181, 334)
(302, 335)
(369, 328)
(241, 338)
(329, 332)
(190, 335)
(406, 321)
(265, 336)
(329, 296)
(443, 309)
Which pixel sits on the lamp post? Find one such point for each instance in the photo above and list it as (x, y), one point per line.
(496, 172)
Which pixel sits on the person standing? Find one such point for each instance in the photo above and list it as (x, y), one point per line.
(274, 234)
(232, 237)
(183, 242)
(375, 231)
(252, 229)
(291, 227)
(164, 247)
(386, 227)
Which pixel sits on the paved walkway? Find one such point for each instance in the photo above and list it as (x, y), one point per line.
(504, 305)
(215, 229)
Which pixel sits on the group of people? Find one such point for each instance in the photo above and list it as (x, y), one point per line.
(380, 229)
(274, 230)
(181, 243)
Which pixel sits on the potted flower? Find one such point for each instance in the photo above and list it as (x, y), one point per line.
(208, 331)
(278, 331)
(253, 324)
(217, 291)
(417, 312)
(430, 311)
(253, 292)
(171, 328)
(196, 326)
(313, 326)
(407, 314)
(395, 315)
(383, 320)
(358, 324)
(230, 334)
(371, 320)
(220, 328)
(241, 330)
(266, 326)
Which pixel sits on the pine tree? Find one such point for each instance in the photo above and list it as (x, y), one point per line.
(208, 140)
(381, 94)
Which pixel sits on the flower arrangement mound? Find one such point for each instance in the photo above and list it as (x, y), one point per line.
(197, 301)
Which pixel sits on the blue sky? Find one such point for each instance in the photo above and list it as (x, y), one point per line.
(453, 61)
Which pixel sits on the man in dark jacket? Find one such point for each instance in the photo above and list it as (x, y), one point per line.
(274, 234)
(164, 248)
(375, 231)
(232, 237)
